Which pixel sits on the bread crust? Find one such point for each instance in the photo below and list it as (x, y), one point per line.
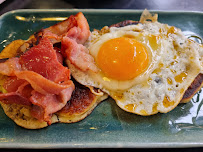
(196, 85)
(75, 117)
(124, 23)
(20, 114)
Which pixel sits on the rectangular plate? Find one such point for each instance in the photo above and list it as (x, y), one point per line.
(108, 126)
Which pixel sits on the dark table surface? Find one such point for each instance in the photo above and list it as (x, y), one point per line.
(105, 150)
(185, 5)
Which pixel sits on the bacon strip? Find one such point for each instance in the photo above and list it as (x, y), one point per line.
(14, 97)
(80, 32)
(73, 33)
(54, 38)
(73, 42)
(18, 94)
(78, 55)
(43, 109)
(41, 84)
(12, 84)
(8, 67)
(63, 27)
(75, 27)
(43, 60)
(39, 79)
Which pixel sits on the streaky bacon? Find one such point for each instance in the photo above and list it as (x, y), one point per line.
(14, 97)
(81, 32)
(59, 55)
(41, 80)
(73, 48)
(43, 60)
(78, 55)
(62, 27)
(73, 33)
(57, 31)
(43, 109)
(76, 27)
(41, 84)
(19, 94)
(10, 66)
(54, 38)
(46, 82)
(11, 84)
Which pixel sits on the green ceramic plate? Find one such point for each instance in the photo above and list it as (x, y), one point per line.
(108, 125)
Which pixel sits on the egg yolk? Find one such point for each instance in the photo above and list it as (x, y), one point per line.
(122, 58)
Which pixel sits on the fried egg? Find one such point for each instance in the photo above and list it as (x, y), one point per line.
(146, 68)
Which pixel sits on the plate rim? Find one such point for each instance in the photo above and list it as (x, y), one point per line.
(97, 11)
(101, 145)
(106, 145)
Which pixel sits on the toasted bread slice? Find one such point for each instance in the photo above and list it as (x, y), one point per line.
(196, 85)
(20, 114)
(82, 103)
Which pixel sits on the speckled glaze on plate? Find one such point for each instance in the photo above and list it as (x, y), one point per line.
(108, 126)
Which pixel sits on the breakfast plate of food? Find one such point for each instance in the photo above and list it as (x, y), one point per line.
(101, 79)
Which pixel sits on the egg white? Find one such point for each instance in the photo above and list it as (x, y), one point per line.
(173, 67)
(132, 32)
